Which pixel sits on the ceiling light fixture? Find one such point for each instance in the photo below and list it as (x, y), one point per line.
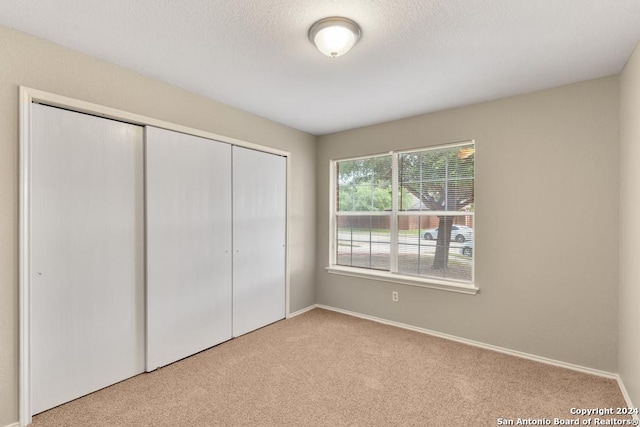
(334, 36)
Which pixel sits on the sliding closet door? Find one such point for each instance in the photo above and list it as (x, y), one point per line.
(188, 245)
(259, 236)
(87, 254)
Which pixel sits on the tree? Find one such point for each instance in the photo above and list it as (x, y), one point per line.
(442, 180)
(364, 184)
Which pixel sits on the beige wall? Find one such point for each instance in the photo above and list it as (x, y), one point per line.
(547, 224)
(629, 300)
(547, 207)
(36, 63)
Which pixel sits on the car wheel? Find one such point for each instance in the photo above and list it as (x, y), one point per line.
(460, 238)
(466, 251)
(428, 236)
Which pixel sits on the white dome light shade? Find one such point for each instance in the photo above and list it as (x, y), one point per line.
(334, 36)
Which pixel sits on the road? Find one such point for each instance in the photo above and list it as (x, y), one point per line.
(358, 241)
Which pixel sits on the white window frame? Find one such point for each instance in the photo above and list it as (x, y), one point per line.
(392, 275)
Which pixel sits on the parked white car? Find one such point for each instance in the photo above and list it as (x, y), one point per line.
(459, 233)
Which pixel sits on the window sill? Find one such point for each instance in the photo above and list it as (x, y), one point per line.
(385, 276)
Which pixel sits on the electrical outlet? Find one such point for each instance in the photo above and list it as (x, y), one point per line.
(394, 296)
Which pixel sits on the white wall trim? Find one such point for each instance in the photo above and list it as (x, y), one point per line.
(55, 100)
(287, 242)
(387, 276)
(304, 310)
(503, 350)
(28, 96)
(24, 357)
(626, 396)
(13, 425)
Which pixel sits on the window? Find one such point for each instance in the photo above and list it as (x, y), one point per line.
(406, 216)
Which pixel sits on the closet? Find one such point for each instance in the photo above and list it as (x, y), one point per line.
(146, 246)
(216, 221)
(87, 252)
(189, 235)
(259, 224)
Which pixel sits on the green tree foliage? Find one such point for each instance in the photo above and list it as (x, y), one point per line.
(441, 179)
(365, 184)
(365, 198)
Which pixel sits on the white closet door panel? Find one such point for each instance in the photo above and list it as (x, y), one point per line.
(259, 236)
(188, 245)
(87, 254)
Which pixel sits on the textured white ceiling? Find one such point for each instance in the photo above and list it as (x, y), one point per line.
(414, 56)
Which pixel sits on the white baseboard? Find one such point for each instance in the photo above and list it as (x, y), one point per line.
(503, 350)
(304, 310)
(481, 345)
(627, 398)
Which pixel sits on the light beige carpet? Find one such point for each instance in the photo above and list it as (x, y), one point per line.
(327, 369)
